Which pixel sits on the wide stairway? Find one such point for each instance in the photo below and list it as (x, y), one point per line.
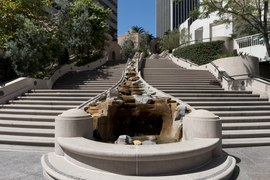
(29, 119)
(245, 116)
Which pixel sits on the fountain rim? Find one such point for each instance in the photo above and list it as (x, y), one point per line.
(183, 149)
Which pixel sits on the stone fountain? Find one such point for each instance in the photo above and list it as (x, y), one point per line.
(134, 131)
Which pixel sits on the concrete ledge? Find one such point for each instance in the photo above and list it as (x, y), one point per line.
(138, 160)
(57, 167)
(88, 148)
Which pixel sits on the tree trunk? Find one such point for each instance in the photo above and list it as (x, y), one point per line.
(267, 44)
(265, 21)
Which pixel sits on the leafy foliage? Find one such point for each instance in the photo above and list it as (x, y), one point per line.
(91, 58)
(36, 35)
(32, 48)
(87, 26)
(128, 49)
(184, 36)
(9, 10)
(138, 29)
(201, 53)
(170, 40)
(255, 13)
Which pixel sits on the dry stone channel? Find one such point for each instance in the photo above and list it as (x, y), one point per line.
(132, 111)
(29, 119)
(245, 116)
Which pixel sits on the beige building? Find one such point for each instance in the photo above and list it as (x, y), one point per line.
(133, 36)
(113, 49)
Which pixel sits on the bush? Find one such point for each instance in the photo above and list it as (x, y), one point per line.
(201, 53)
(87, 59)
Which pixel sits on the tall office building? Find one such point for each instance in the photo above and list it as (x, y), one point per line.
(163, 16)
(170, 14)
(111, 4)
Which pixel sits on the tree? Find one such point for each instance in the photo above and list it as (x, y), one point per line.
(254, 12)
(9, 10)
(128, 49)
(31, 49)
(170, 40)
(137, 29)
(184, 36)
(86, 27)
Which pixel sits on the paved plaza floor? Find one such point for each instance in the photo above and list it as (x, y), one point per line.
(21, 163)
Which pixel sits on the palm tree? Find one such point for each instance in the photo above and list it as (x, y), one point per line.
(138, 29)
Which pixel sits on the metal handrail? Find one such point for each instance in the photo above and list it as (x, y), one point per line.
(224, 74)
(249, 75)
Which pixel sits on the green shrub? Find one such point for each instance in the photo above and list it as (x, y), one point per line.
(87, 59)
(201, 53)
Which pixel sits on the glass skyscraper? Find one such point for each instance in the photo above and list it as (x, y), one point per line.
(170, 14)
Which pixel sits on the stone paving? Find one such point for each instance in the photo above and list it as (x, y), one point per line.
(21, 163)
(253, 163)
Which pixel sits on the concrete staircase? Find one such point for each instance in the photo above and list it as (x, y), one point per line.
(29, 119)
(245, 116)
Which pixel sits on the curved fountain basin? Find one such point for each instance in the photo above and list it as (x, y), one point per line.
(141, 160)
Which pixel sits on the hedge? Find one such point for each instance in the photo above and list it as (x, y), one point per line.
(201, 53)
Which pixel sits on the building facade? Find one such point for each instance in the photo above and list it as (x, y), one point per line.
(163, 17)
(113, 5)
(171, 13)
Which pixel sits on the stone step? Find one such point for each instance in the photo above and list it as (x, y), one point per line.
(62, 91)
(101, 84)
(87, 80)
(233, 108)
(171, 91)
(184, 84)
(242, 113)
(38, 107)
(31, 112)
(190, 99)
(244, 142)
(228, 103)
(245, 133)
(241, 119)
(246, 126)
(165, 88)
(179, 76)
(27, 140)
(27, 124)
(26, 132)
(49, 98)
(61, 94)
(48, 102)
(25, 117)
(81, 86)
(176, 81)
(212, 95)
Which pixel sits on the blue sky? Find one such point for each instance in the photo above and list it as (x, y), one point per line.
(136, 13)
